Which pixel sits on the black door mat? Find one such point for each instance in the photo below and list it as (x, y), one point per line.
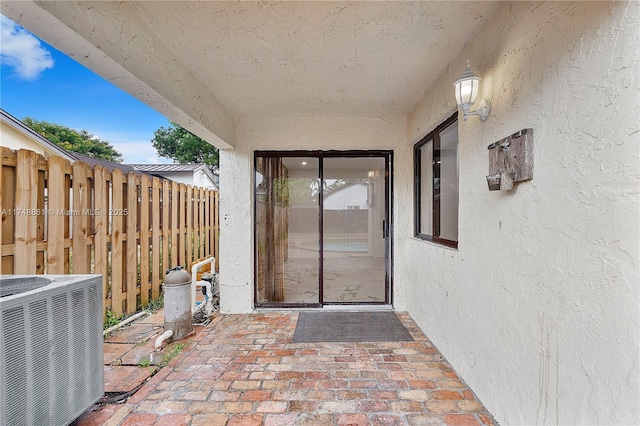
(350, 327)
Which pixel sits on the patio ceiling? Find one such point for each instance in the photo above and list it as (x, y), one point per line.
(204, 63)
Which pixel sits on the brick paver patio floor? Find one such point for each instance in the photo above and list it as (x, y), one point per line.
(244, 370)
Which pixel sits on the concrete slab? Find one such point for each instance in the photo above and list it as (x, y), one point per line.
(142, 352)
(97, 415)
(154, 319)
(113, 351)
(122, 378)
(134, 334)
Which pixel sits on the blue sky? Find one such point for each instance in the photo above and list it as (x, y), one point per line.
(41, 82)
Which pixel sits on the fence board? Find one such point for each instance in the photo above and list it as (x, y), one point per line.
(210, 236)
(214, 229)
(80, 219)
(7, 202)
(25, 220)
(203, 223)
(189, 226)
(155, 243)
(166, 209)
(207, 223)
(215, 226)
(66, 219)
(117, 252)
(200, 223)
(209, 233)
(174, 224)
(144, 239)
(55, 218)
(196, 225)
(101, 227)
(203, 226)
(181, 225)
(131, 266)
(40, 218)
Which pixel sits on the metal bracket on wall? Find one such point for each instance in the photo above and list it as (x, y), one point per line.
(510, 160)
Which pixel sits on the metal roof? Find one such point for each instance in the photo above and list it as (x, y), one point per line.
(109, 165)
(167, 168)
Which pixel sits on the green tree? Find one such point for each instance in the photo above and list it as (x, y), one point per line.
(184, 147)
(73, 140)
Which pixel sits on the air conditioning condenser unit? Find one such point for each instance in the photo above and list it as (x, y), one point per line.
(51, 359)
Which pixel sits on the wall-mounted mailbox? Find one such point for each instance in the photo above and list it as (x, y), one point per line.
(510, 160)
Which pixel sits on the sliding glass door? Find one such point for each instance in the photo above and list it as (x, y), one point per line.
(354, 244)
(321, 228)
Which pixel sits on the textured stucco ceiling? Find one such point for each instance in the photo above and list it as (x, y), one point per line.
(315, 58)
(204, 63)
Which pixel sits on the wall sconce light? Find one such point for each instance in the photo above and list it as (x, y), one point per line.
(371, 174)
(466, 89)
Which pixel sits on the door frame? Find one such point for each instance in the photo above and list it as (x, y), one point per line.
(387, 227)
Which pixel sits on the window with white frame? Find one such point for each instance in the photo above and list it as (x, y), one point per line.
(436, 184)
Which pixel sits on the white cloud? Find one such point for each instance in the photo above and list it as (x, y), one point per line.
(134, 146)
(138, 152)
(22, 51)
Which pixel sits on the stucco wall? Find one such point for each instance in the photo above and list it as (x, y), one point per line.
(11, 138)
(538, 308)
(354, 196)
(236, 180)
(182, 177)
(201, 179)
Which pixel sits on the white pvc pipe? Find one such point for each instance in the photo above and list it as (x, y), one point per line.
(194, 277)
(125, 322)
(164, 336)
(209, 306)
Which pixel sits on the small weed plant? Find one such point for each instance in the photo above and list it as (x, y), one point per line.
(155, 305)
(172, 354)
(110, 319)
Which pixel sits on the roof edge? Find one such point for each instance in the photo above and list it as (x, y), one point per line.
(28, 131)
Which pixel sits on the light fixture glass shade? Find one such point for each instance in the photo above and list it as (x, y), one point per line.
(467, 87)
(467, 91)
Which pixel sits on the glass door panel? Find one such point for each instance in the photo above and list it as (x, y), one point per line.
(287, 203)
(355, 244)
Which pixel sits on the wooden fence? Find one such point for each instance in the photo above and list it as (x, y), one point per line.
(59, 218)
